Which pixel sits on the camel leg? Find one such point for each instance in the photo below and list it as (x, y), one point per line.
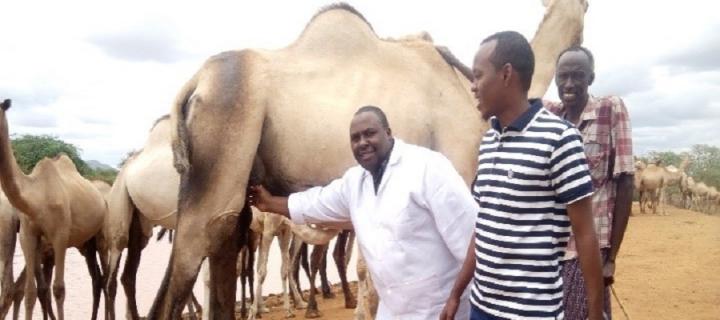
(315, 260)
(18, 293)
(88, 251)
(29, 245)
(303, 263)
(110, 281)
(197, 305)
(222, 291)
(339, 257)
(191, 306)
(205, 269)
(241, 263)
(44, 276)
(295, 248)
(136, 242)
(7, 283)
(59, 281)
(261, 272)
(324, 283)
(284, 242)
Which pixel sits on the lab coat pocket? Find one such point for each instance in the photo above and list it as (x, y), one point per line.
(417, 296)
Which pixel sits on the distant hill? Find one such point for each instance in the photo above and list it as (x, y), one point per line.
(97, 165)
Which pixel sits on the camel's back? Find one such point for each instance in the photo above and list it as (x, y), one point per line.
(338, 65)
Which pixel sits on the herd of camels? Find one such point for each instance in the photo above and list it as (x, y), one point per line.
(653, 180)
(230, 126)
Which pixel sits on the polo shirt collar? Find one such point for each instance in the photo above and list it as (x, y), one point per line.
(523, 120)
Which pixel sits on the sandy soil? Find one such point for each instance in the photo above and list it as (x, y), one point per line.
(668, 268)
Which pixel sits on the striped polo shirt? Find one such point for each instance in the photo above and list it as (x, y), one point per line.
(527, 173)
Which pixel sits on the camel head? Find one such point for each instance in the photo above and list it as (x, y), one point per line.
(6, 104)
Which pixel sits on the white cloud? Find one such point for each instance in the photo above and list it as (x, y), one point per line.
(98, 75)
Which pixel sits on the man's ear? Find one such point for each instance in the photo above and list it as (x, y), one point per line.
(389, 131)
(592, 78)
(507, 74)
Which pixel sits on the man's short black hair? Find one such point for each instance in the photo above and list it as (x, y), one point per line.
(582, 49)
(378, 112)
(514, 49)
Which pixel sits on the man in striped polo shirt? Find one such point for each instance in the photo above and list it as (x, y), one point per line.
(533, 187)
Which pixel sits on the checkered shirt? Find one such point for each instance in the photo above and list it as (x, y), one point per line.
(607, 137)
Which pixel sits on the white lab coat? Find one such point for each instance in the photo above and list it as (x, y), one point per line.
(413, 233)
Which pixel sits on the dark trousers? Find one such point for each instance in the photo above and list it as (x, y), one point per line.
(477, 314)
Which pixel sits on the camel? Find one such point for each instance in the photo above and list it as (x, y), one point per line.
(654, 180)
(642, 196)
(57, 204)
(687, 183)
(13, 291)
(144, 195)
(367, 296)
(9, 289)
(283, 116)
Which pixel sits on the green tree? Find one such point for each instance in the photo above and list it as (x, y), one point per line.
(30, 149)
(705, 164)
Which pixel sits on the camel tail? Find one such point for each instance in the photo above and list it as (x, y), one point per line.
(180, 137)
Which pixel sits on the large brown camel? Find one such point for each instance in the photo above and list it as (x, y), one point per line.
(57, 204)
(283, 115)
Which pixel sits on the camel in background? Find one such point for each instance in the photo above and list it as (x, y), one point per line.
(232, 119)
(56, 203)
(655, 178)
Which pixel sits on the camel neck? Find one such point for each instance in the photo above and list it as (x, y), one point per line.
(13, 180)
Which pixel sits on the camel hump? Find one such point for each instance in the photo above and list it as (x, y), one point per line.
(337, 29)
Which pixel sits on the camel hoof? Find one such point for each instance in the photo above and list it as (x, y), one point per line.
(312, 314)
(301, 305)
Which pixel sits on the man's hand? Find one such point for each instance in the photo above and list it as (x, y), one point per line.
(609, 272)
(259, 197)
(450, 309)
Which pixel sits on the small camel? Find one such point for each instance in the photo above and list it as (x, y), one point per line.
(367, 296)
(271, 226)
(56, 203)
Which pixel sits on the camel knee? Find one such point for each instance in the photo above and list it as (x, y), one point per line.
(59, 291)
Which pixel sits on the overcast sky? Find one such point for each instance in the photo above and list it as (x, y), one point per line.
(98, 75)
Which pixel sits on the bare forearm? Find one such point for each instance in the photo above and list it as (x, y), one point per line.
(580, 213)
(278, 205)
(621, 214)
(589, 257)
(466, 272)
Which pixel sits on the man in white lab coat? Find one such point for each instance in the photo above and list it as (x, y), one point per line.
(411, 211)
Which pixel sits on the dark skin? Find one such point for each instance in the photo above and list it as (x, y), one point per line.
(500, 93)
(370, 142)
(573, 77)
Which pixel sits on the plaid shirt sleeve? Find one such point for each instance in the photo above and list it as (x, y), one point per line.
(621, 138)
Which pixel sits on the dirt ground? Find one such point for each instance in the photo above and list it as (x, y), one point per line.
(668, 268)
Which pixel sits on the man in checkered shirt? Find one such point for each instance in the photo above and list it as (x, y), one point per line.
(605, 126)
